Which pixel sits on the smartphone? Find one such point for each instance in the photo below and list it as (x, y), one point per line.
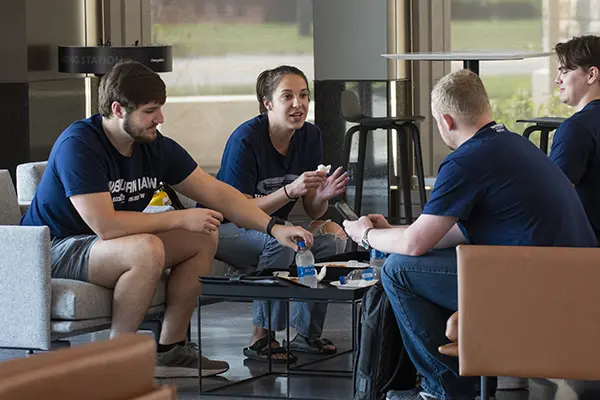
(345, 211)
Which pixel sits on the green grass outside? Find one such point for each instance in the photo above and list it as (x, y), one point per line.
(497, 35)
(215, 39)
(190, 40)
(209, 90)
(506, 86)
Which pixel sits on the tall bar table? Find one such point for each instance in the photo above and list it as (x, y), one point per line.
(470, 59)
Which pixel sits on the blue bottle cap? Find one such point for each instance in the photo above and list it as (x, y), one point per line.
(342, 280)
(301, 244)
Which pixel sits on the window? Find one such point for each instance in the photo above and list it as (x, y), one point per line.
(520, 89)
(219, 48)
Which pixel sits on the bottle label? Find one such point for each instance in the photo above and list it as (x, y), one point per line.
(368, 274)
(378, 255)
(306, 271)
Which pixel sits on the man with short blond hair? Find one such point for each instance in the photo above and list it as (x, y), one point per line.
(496, 188)
(461, 94)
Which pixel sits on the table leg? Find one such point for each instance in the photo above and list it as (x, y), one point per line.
(287, 345)
(405, 175)
(354, 326)
(416, 137)
(360, 171)
(544, 139)
(355, 346)
(472, 65)
(200, 343)
(484, 388)
(269, 336)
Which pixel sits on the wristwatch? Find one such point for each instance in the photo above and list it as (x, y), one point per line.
(365, 239)
(274, 221)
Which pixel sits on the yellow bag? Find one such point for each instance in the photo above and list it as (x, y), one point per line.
(160, 199)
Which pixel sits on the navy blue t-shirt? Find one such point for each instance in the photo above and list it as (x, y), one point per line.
(84, 161)
(252, 165)
(576, 150)
(505, 191)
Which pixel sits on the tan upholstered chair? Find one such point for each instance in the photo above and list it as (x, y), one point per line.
(529, 312)
(119, 369)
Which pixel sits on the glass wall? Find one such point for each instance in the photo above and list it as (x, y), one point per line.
(520, 89)
(220, 47)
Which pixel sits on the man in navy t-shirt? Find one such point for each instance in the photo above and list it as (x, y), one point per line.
(496, 188)
(576, 143)
(101, 174)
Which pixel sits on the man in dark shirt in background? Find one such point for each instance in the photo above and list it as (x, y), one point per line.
(576, 144)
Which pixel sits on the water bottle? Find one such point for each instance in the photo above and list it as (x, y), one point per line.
(377, 258)
(352, 278)
(367, 274)
(360, 277)
(305, 262)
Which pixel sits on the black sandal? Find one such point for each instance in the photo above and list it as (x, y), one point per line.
(317, 346)
(259, 351)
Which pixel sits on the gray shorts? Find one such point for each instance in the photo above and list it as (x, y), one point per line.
(70, 256)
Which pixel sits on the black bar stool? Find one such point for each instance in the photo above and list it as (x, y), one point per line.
(404, 126)
(545, 125)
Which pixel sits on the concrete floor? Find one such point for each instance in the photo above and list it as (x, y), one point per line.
(226, 329)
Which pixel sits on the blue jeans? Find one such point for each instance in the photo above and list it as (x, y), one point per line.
(423, 292)
(243, 248)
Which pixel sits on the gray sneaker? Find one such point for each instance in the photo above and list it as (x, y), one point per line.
(413, 394)
(182, 361)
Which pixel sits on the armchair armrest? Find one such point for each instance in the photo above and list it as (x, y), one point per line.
(529, 311)
(25, 291)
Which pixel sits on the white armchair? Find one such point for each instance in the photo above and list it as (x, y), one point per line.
(35, 310)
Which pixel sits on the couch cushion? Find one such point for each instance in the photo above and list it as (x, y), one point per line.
(76, 300)
(29, 176)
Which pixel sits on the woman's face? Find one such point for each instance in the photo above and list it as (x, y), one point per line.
(289, 106)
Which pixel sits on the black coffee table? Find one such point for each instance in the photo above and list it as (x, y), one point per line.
(282, 291)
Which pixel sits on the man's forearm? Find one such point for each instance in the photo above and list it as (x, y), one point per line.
(227, 200)
(400, 241)
(272, 202)
(390, 240)
(237, 208)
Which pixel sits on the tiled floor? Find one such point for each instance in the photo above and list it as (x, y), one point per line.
(225, 332)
